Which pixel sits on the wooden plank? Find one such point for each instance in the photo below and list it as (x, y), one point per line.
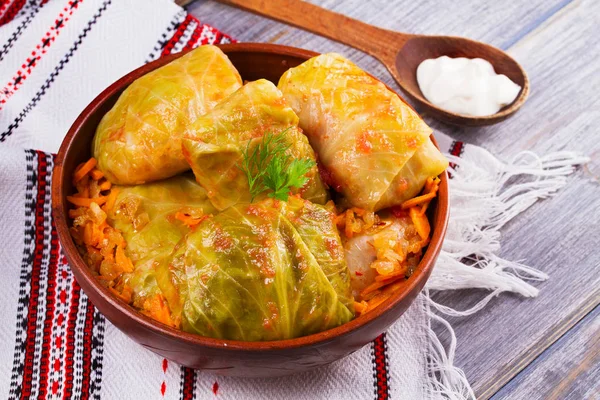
(558, 235)
(572, 364)
(543, 346)
(498, 23)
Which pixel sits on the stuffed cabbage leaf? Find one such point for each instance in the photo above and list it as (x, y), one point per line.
(214, 143)
(139, 139)
(146, 217)
(363, 133)
(427, 162)
(265, 271)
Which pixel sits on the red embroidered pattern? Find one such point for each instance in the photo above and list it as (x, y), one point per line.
(456, 149)
(194, 38)
(41, 224)
(163, 386)
(188, 384)
(87, 351)
(381, 368)
(59, 337)
(50, 309)
(70, 353)
(177, 35)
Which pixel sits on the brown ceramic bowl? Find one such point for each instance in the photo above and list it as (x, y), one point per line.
(251, 359)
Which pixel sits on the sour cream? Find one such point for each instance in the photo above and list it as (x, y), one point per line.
(465, 86)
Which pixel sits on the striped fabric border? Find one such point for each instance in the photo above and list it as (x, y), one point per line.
(185, 33)
(187, 386)
(25, 282)
(99, 327)
(167, 36)
(39, 275)
(178, 36)
(380, 368)
(456, 149)
(52, 311)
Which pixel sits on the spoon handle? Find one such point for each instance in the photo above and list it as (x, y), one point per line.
(378, 42)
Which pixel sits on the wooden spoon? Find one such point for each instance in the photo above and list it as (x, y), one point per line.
(400, 52)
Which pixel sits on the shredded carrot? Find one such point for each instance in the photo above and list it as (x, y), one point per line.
(82, 171)
(428, 185)
(106, 185)
(360, 307)
(424, 207)
(96, 174)
(125, 295)
(383, 294)
(106, 278)
(392, 277)
(349, 224)
(396, 251)
(395, 286)
(380, 298)
(372, 287)
(86, 201)
(104, 245)
(122, 261)
(421, 222)
(415, 201)
(429, 192)
(110, 200)
(156, 308)
(84, 193)
(432, 186)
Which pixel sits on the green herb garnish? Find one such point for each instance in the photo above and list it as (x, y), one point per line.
(268, 167)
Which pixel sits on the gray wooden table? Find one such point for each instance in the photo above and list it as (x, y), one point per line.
(547, 347)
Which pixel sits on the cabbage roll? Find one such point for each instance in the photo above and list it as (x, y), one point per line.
(364, 249)
(363, 133)
(214, 143)
(145, 215)
(264, 271)
(139, 139)
(426, 162)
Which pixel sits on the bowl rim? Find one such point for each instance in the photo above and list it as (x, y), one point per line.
(76, 262)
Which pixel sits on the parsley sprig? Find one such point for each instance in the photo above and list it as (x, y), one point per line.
(268, 167)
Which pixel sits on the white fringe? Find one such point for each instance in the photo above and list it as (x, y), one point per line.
(446, 380)
(485, 194)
